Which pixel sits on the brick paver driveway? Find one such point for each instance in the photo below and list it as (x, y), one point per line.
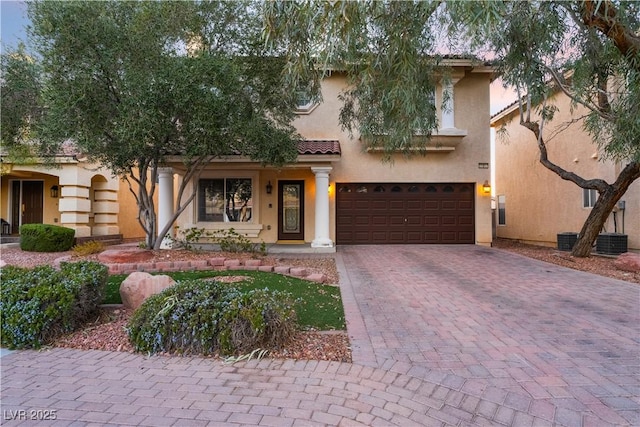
(441, 335)
(484, 320)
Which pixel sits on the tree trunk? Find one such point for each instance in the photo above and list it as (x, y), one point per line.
(608, 194)
(602, 208)
(595, 222)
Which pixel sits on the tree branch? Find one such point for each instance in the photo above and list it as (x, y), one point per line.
(603, 16)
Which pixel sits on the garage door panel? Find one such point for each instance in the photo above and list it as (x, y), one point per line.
(396, 205)
(431, 220)
(396, 220)
(465, 220)
(412, 213)
(413, 220)
(362, 220)
(379, 220)
(379, 205)
(449, 220)
(396, 237)
(414, 205)
(465, 236)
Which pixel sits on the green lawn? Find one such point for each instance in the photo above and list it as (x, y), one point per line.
(319, 306)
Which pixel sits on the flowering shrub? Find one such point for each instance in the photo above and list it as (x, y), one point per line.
(203, 317)
(39, 304)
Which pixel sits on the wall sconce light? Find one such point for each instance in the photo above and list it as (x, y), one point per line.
(54, 191)
(486, 187)
(269, 187)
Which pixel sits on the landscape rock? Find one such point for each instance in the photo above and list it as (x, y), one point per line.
(128, 256)
(139, 286)
(628, 261)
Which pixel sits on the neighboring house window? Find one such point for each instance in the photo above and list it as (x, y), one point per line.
(225, 200)
(502, 219)
(589, 197)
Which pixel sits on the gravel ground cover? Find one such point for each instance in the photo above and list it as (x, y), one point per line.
(106, 331)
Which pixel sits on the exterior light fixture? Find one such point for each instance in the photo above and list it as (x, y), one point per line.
(269, 187)
(54, 191)
(486, 187)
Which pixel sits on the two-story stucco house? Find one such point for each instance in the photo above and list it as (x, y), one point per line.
(335, 193)
(339, 193)
(533, 204)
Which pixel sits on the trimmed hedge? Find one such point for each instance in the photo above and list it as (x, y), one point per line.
(46, 238)
(37, 305)
(205, 317)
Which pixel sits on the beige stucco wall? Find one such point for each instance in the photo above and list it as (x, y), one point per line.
(539, 204)
(354, 165)
(130, 228)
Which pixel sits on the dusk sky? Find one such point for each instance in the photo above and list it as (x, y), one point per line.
(14, 20)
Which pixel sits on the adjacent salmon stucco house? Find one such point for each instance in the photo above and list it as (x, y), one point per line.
(335, 193)
(533, 204)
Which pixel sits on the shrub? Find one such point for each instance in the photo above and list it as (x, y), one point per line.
(202, 317)
(45, 238)
(88, 248)
(229, 240)
(257, 319)
(39, 304)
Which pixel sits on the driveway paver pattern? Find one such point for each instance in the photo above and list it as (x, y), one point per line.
(489, 319)
(441, 335)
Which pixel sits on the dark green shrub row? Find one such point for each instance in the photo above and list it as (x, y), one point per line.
(204, 317)
(45, 238)
(39, 304)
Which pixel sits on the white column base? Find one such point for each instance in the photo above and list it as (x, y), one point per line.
(322, 243)
(167, 242)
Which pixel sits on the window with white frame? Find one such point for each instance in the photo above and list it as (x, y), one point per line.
(589, 197)
(502, 219)
(225, 200)
(305, 101)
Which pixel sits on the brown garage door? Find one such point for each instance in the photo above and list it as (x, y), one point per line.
(404, 213)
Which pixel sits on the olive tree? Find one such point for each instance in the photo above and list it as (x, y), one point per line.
(134, 83)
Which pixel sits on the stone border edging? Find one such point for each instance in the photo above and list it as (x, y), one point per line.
(216, 264)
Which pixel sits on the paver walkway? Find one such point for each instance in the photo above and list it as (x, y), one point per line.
(441, 335)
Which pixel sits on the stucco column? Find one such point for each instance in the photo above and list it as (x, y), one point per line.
(74, 207)
(165, 203)
(322, 239)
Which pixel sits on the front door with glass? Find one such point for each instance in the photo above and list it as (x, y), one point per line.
(291, 210)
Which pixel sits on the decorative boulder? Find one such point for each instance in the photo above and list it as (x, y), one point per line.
(139, 286)
(628, 261)
(127, 256)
